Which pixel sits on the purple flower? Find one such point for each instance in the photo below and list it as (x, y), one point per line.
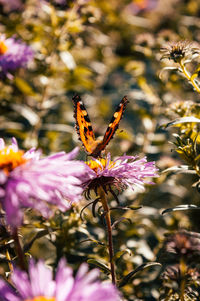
(11, 5)
(28, 181)
(123, 172)
(138, 6)
(13, 54)
(39, 284)
(61, 2)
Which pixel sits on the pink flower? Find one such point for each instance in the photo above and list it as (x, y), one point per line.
(28, 181)
(123, 172)
(11, 5)
(13, 54)
(39, 284)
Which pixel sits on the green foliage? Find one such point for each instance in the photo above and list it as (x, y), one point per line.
(104, 50)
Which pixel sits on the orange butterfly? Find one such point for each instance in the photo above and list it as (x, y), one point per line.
(84, 129)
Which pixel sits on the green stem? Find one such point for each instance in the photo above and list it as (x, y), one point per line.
(109, 231)
(183, 269)
(9, 260)
(19, 250)
(189, 77)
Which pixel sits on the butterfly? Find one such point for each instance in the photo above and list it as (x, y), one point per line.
(84, 129)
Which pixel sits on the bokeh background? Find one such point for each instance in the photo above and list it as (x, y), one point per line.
(104, 50)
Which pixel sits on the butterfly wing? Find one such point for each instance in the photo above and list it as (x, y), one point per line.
(114, 123)
(83, 125)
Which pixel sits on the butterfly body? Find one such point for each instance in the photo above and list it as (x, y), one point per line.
(84, 129)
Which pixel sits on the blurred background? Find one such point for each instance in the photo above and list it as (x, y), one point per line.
(104, 50)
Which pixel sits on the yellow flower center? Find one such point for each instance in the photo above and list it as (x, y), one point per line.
(10, 159)
(100, 164)
(141, 3)
(3, 48)
(42, 298)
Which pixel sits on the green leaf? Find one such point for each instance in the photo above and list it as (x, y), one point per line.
(93, 240)
(181, 208)
(100, 265)
(130, 276)
(180, 169)
(121, 253)
(37, 236)
(181, 120)
(126, 208)
(166, 69)
(26, 112)
(120, 220)
(23, 86)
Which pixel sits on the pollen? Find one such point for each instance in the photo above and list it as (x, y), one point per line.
(10, 159)
(42, 298)
(99, 164)
(3, 48)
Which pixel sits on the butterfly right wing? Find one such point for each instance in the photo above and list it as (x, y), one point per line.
(83, 125)
(114, 123)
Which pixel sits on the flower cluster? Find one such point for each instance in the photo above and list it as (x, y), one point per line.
(26, 180)
(39, 285)
(13, 54)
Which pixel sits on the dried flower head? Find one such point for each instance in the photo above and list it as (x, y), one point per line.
(123, 172)
(166, 35)
(182, 244)
(38, 285)
(177, 51)
(172, 278)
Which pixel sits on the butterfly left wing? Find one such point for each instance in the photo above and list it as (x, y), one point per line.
(83, 125)
(114, 123)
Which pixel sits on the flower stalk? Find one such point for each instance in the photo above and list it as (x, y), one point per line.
(188, 76)
(104, 202)
(183, 269)
(9, 261)
(19, 250)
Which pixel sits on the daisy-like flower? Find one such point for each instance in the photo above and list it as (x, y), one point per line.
(13, 54)
(123, 172)
(39, 285)
(28, 181)
(177, 51)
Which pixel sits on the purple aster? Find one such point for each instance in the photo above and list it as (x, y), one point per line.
(39, 285)
(138, 6)
(123, 172)
(13, 54)
(61, 2)
(28, 181)
(11, 5)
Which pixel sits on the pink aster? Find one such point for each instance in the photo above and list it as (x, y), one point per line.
(11, 5)
(123, 172)
(28, 181)
(138, 6)
(13, 54)
(39, 285)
